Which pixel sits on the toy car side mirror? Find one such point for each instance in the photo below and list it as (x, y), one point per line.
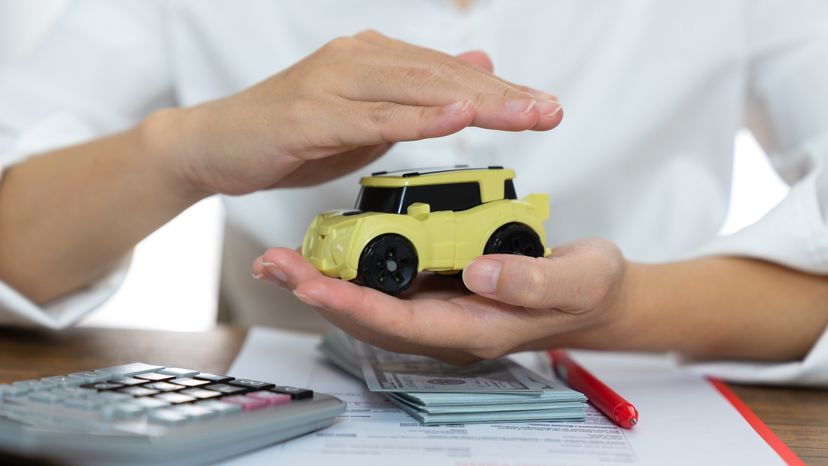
(419, 210)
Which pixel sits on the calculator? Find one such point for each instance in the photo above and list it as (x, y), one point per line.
(141, 413)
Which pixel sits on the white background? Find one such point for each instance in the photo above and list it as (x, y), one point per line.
(173, 281)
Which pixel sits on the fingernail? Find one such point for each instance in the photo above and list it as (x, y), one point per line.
(307, 299)
(520, 106)
(482, 276)
(257, 276)
(548, 107)
(458, 107)
(274, 271)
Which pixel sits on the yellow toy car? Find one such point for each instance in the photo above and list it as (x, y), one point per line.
(438, 220)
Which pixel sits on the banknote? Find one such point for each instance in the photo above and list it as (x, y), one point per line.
(385, 371)
(557, 394)
(562, 414)
(492, 391)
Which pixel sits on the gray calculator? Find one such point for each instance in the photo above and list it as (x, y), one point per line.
(146, 414)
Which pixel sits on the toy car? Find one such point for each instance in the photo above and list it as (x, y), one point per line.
(438, 220)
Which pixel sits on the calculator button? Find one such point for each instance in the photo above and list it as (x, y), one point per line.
(87, 404)
(164, 386)
(175, 398)
(114, 396)
(138, 391)
(89, 376)
(128, 381)
(149, 403)
(155, 377)
(167, 417)
(227, 389)
(200, 393)
(213, 377)
(196, 413)
(18, 400)
(294, 392)
(178, 372)
(223, 409)
(46, 397)
(247, 403)
(76, 392)
(27, 384)
(190, 382)
(55, 382)
(102, 386)
(126, 370)
(272, 398)
(251, 384)
(14, 390)
(123, 411)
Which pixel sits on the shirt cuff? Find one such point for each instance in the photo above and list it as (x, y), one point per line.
(811, 371)
(793, 234)
(18, 310)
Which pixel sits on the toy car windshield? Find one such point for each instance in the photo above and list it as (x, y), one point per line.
(395, 200)
(375, 199)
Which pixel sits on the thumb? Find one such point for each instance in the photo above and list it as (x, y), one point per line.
(531, 282)
(478, 58)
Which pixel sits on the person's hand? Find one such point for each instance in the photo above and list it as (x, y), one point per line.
(576, 297)
(340, 108)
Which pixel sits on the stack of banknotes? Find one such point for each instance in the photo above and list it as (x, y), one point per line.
(434, 392)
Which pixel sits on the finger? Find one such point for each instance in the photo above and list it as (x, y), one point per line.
(370, 123)
(568, 282)
(275, 263)
(495, 107)
(402, 73)
(441, 328)
(474, 65)
(479, 59)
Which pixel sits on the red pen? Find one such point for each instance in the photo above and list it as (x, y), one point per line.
(621, 411)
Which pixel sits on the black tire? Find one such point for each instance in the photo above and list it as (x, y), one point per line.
(515, 238)
(388, 264)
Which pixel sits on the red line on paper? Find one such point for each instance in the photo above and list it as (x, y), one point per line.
(760, 427)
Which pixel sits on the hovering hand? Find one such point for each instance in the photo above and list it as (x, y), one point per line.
(575, 297)
(340, 108)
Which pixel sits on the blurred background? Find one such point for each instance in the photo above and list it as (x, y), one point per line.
(157, 295)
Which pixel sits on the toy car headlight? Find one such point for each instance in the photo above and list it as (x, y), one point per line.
(339, 244)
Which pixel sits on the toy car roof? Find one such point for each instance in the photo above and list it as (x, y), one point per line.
(438, 175)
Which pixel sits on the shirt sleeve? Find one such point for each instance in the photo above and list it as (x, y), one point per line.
(101, 68)
(786, 48)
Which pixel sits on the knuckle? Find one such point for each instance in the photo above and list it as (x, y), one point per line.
(487, 352)
(510, 92)
(380, 114)
(534, 284)
(341, 44)
(448, 67)
(369, 34)
(478, 99)
(418, 79)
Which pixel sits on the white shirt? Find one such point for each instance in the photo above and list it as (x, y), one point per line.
(653, 91)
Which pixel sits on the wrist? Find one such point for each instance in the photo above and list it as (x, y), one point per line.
(162, 138)
(624, 326)
(626, 321)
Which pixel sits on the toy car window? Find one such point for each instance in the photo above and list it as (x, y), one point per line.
(374, 199)
(509, 190)
(452, 196)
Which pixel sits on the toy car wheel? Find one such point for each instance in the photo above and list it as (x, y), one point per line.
(388, 264)
(515, 238)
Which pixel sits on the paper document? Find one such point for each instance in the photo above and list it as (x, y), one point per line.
(684, 420)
